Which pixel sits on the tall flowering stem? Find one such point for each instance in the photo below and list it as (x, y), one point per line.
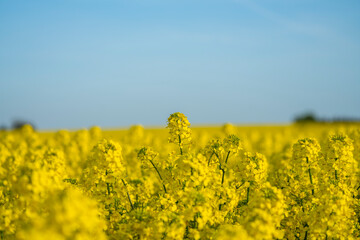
(340, 161)
(305, 159)
(231, 144)
(180, 133)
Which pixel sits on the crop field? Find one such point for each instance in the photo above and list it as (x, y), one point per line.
(297, 181)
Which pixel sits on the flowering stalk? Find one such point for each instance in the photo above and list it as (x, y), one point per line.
(231, 144)
(180, 132)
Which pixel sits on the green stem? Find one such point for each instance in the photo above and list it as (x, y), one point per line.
(107, 184)
(217, 156)
(181, 151)
(108, 188)
(326, 236)
(247, 195)
(227, 157)
(132, 206)
(336, 175)
(223, 170)
(306, 235)
(310, 176)
(210, 158)
(223, 175)
(159, 175)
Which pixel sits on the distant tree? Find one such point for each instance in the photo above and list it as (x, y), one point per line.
(305, 118)
(17, 124)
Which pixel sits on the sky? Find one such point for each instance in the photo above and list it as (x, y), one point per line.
(115, 63)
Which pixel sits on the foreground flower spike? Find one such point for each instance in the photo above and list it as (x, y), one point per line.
(306, 163)
(341, 165)
(252, 170)
(232, 144)
(214, 148)
(180, 133)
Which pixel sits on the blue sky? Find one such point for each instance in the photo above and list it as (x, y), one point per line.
(78, 63)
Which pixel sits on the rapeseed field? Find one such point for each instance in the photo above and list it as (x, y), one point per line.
(297, 181)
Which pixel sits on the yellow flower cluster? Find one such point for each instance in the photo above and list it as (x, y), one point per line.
(180, 133)
(284, 182)
(65, 214)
